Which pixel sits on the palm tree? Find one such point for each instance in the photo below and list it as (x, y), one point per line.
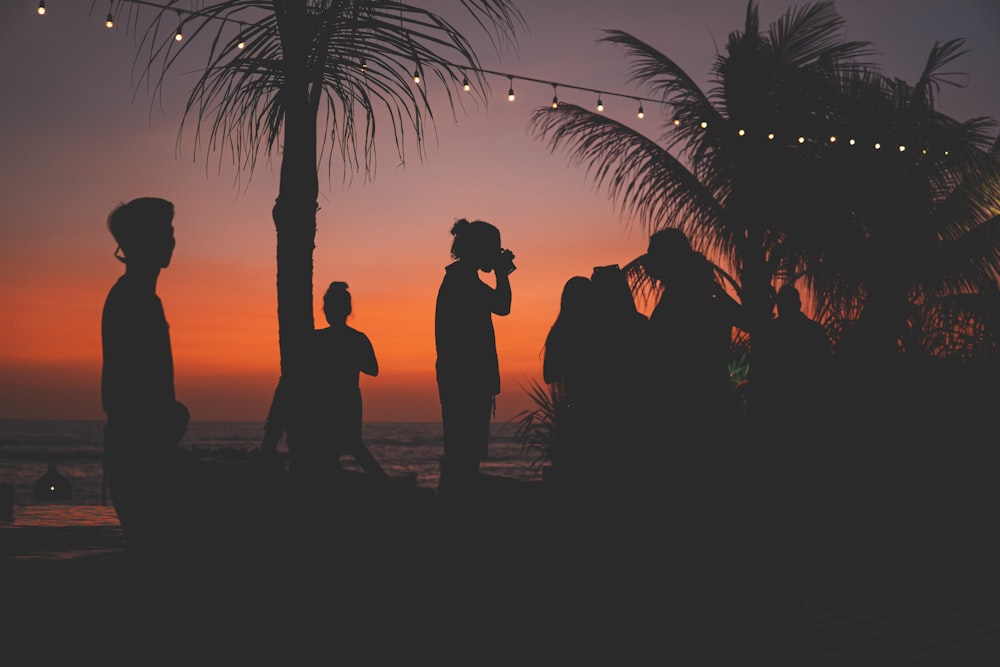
(352, 60)
(918, 250)
(740, 180)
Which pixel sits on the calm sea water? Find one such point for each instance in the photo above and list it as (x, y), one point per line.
(28, 446)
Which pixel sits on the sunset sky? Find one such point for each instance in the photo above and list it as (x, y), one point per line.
(79, 136)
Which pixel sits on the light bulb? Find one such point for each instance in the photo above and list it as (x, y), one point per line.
(242, 44)
(902, 148)
(833, 138)
(465, 84)
(110, 21)
(641, 113)
(555, 102)
(704, 124)
(600, 104)
(802, 140)
(677, 121)
(416, 77)
(878, 146)
(742, 133)
(179, 35)
(41, 7)
(851, 142)
(770, 136)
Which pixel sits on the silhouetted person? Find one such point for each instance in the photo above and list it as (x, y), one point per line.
(52, 486)
(145, 422)
(691, 332)
(566, 368)
(339, 353)
(342, 353)
(791, 364)
(618, 369)
(468, 371)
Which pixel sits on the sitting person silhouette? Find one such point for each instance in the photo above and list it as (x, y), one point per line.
(145, 422)
(52, 486)
(340, 353)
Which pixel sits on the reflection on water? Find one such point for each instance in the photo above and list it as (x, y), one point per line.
(58, 515)
(59, 532)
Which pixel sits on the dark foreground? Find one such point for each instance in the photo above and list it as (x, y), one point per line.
(706, 569)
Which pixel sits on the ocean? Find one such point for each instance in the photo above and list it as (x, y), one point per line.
(27, 447)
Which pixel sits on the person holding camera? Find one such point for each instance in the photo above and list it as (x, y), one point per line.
(468, 371)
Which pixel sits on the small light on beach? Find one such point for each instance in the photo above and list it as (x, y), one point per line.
(902, 148)
(52, 487)
(878, 146)
(465, 84)
(704, 124)
(416, 77)
(640, 113)
(677, 121)
(851, 141)
(41, 7)
(742, 133)
(600, 104)
(110, 21)
(833, 138)
(770, 136)
(802, 140)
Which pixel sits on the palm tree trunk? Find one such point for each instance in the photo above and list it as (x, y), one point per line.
(294, 216)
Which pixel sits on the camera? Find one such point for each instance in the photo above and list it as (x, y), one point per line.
(506, 261)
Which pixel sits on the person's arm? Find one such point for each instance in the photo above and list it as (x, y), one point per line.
(502, 295)
(369, 363)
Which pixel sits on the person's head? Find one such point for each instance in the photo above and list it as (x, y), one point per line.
(337, 302)
(577, 297)
(144, 231)
(612, 291)
(476, 242)
(668, 253)
(788, 300)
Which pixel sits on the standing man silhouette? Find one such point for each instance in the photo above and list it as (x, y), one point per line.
(145, 422)
(468, 371)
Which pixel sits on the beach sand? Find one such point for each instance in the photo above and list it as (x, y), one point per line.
(514, 575)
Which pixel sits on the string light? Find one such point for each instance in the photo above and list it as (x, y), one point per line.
(241, 44)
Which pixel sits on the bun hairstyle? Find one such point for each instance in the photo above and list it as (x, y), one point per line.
(337, 301)
(473, 238)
